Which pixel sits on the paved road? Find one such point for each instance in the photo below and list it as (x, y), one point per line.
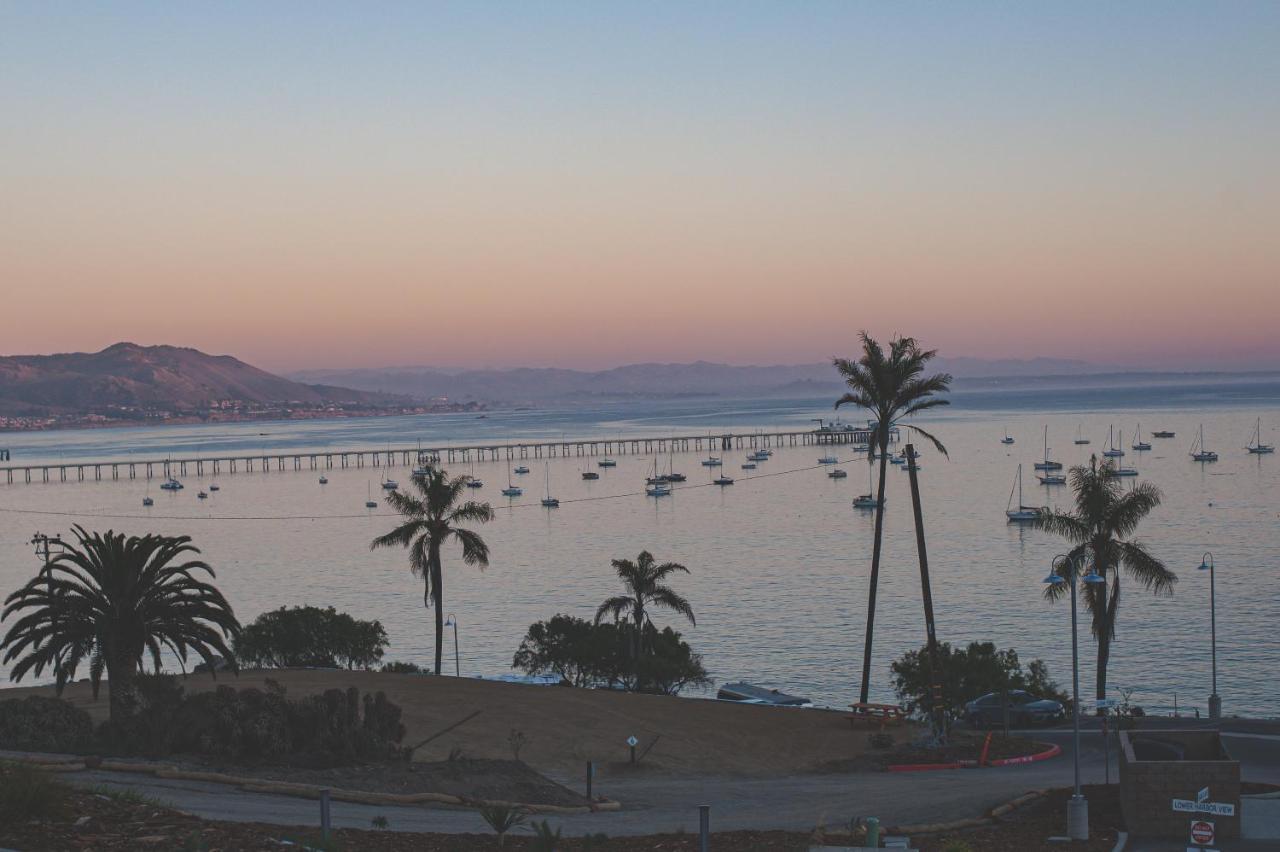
(664, 803)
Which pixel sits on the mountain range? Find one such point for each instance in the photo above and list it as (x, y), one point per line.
(534, 385)
(152, 377)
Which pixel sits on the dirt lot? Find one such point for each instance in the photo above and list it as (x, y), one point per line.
(565, 727)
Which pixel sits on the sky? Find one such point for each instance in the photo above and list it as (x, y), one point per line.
(592, 184)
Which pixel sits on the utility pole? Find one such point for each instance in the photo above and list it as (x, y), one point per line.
(46, 547)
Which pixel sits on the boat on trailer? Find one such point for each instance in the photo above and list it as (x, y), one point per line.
(748, 693)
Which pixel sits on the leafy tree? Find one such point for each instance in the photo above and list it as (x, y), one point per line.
(890, 386)
(1099, 530)
(310, 637)
(645, 591)
(588, 654)
(434, 516)
(965, 674)
(112, 599)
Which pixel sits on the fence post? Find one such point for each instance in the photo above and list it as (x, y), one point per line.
(324, 813)
(704, 828)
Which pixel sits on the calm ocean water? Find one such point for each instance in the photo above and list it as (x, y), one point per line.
(779, 560)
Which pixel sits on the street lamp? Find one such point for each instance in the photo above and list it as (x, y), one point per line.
(1215, 702)
(1066, 569)
(453, 622)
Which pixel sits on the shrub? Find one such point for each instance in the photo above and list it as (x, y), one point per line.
(28, 793)
(398, 667)
(307, 636)
(587, 654)
(967, 673)
(36, 723)
(501, 817)
(544, 839)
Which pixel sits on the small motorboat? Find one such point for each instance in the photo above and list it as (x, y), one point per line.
(749, 465)
(837, 473)
(390, 485)
(1006, 439)
(758, 456)
(521, 470)
(672, 476)
(606, 462)
(711, 461)
(213, 486)
(723, 480)
(1163, 433)
(865, 501)
(371, 504)
(828, 459)
(657, 489)
(749, 693)
(590, 474)
(171, 484)
(202, 496)
(1050, 478)
(147, 501)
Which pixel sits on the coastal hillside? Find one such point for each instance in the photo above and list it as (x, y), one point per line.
(128, 376)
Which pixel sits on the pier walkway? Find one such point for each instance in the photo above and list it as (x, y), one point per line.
(329, 459)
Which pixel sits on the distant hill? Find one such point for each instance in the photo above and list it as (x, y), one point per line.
(150, 377)
(701, 378)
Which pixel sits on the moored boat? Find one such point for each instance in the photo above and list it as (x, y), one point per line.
(749, 693)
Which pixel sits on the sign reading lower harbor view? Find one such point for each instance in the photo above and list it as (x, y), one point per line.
(1187, 806)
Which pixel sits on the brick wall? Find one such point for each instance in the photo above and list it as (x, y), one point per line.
(1149, 786)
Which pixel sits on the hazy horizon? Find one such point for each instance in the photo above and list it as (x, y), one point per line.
(327, 186)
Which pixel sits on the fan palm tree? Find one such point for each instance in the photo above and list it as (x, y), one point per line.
(645, 591)
(113, 599)
(890, 386)
(1105, 516)
(433, 516)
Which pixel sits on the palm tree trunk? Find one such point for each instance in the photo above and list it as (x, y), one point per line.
(883, 442)
(121, 691)
(437, 595)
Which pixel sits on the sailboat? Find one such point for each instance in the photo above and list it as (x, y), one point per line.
(1046, 464)
(202, 496)
(511, 490)
(590, 474)
(1198, 452)
(369, 502)
(837, 473)
(1006, 439)
(1139, 444)
(711, 461)
(657, 486)
(1080, 439)
(521, 470)
(147, 500)
(1022, 513)
(606, 462)
(722, 479)
(1112, 451)
(672, 476)
(213, 486)
(868, 500)
(1256, 446)
(473, 481)
(549, 501)
(1120, 469)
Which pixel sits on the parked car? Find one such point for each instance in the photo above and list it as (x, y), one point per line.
(1024, 709)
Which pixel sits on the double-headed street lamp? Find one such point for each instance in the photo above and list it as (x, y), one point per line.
(451, 621)
(1066, 569)
(1215, 703)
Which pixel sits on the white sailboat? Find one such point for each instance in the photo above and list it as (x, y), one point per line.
(711, 461)
(1120, 469)
(656, 486)
(511, 490)
(147, 499)
(868, 500)
(1256, 446)
(473, 481)
(1112, 451)
(1047, 464)
(369, 502)
(1139, 444)
(1080, 438)
(549, 501)
(1198, 452)
(1023, 513)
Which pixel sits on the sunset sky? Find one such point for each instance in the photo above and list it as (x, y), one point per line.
(590, 184)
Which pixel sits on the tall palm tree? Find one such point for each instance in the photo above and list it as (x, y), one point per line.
(113, 599)
(890, 386)
(1105, 516)
(432, 517)
(645, 591)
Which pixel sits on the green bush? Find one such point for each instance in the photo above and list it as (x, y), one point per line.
(967, 673)
(397, 667)
(584, 653)
(28, 793)
(36, 723)
(310, 637)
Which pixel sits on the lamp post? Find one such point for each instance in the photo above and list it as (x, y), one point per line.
(1066, 569)
(457, 665)
(1215, 702)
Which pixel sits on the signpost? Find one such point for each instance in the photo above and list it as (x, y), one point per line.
(1186, 806)
(633, 742)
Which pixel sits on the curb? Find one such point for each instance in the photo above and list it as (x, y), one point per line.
(305, 791)
(992, 817)
(1051, 751)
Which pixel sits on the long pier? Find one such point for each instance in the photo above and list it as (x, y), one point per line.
(329, 459)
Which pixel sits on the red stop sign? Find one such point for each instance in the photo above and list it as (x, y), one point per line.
(1201, 831)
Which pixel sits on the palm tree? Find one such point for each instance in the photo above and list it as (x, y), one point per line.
(1105, 516)
(432, 517)
(890, 387)
(645, 590)
(113, 599)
